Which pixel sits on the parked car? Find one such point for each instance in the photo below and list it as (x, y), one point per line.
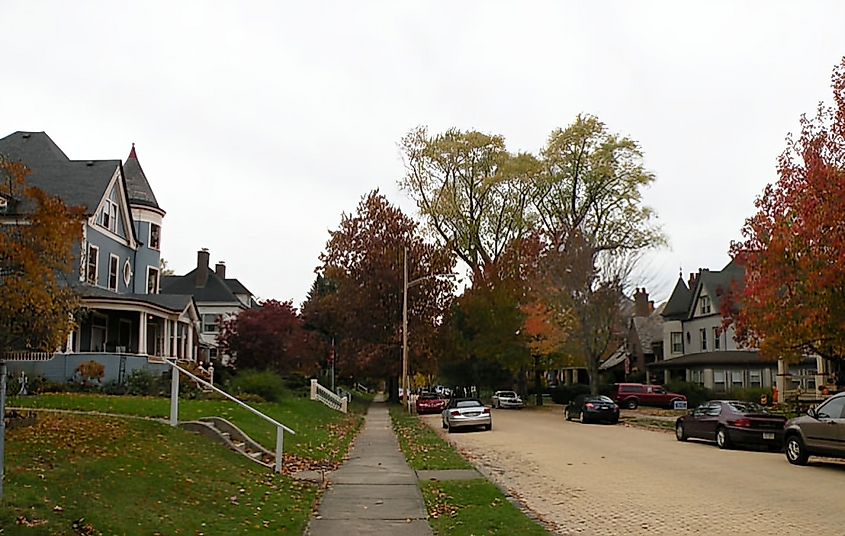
(732, 422)
(430, 403)
(819, 433)
(506, 399)
(592, 408)
(632, 395)
(466, 412)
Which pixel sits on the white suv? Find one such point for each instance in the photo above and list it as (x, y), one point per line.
(506, 399)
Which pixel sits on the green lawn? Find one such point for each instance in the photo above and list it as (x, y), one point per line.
(97, 474)
(423, 448)
(320, 432)
(84, 474)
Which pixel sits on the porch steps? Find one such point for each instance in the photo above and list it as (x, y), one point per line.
(232, 437)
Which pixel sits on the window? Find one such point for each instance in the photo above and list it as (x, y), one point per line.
(833, 409)
(108, 218)
(704, 302)
(719, 380)
(703, 338)
(209, 323)
(113, 264)
(677, 341)
(754, 378)
(152, 280)
(717, 340)
(127, 273)
(736, 379)
(91, 270)
(155, 236)
(697, 376)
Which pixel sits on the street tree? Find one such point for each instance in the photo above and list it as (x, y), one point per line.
(270, 337)
(37, 236)
(362, 306)
(792, 299)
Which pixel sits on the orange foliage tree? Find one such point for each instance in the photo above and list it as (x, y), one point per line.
(37, 235)
(792, 301)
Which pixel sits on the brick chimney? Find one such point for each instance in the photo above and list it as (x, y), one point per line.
(641, 303)
(202, 267)
(220, 269)
(693, 278)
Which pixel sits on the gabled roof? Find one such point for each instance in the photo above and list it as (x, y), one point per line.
(215, 290)
(650, 328)
(137, 185)
(681, 305)
(171, 302)
(236, 286)
(77, 182)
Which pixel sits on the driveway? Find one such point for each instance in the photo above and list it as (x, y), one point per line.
(613, 480)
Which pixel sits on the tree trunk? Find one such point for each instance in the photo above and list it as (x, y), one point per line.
(537, 387)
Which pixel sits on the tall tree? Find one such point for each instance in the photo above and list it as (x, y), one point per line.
(792, 301)
(471, 192)
(363, 261)
(37, 235)
(269, 338)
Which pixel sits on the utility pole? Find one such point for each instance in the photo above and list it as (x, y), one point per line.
(405, 398)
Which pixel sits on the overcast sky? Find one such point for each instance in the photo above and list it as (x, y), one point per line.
(259, 123)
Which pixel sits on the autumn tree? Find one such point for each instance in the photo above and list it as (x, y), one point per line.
(361, 304)
(792, 300)
(269, 338)
(37, 235)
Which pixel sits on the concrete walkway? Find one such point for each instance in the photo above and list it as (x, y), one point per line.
(374, 491)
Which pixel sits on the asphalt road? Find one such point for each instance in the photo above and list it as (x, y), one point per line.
(611, 480)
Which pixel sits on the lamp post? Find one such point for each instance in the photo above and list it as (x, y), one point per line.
(407, 284)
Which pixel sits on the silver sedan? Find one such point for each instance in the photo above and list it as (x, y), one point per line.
(465, 412)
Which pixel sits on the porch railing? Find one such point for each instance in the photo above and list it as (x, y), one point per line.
(318, 392)
(28, 356)
(174, 408)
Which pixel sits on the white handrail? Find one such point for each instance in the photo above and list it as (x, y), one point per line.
(327, 397)
(174, 408)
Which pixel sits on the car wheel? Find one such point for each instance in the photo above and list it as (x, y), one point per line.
(445, 426)
(498, 406)
(796, 452)
(680, 433)
(722, 438)
(631, 403)
(568, 416)
(488, 427)
(582, 418)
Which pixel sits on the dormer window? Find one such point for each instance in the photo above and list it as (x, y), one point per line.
(704, 303)
(155, 236)
(108, 219)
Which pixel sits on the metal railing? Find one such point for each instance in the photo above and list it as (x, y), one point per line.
(318, 392)
(174, 408)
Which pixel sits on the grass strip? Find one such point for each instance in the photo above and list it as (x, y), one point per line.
(423, 448)
(474, 507)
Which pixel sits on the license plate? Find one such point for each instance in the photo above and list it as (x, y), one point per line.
(768, 435)
(471, 414)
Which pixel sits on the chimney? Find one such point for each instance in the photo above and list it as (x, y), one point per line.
(202, 267)
(220, 269)
(641, 302)
(692, 278)
(650, 307)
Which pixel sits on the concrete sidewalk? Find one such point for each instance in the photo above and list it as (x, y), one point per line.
(374, 491)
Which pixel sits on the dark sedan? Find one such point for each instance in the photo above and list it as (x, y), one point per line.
(592, 408)
(733, 422)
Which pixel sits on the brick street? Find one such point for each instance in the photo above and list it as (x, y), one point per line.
(610, 480)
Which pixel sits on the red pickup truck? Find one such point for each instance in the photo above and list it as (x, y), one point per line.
(631, 395)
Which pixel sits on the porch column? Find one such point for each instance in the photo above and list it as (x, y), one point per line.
(784, 379)
(822, 372)
(142, 334)
(667, 376)
(166, 350)
(69, 347)
(190, 342)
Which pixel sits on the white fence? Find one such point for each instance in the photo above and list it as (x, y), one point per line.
(318, 392)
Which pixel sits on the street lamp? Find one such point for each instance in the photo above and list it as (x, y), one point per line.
(405, 287)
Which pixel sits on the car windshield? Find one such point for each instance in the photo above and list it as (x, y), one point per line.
(747, 407)
(600, 398)
(429, 396)
(468, 403)
(507, 394)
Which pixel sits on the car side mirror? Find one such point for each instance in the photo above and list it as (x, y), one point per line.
(812, 413)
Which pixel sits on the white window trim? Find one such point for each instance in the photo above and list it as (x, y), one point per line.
(705, 300)
(127, 273)
(703, 338)
(147, 281)
(680, 349)
(116, 260)
(150, 237)
(96, 264)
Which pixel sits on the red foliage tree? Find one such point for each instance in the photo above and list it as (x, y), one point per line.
(269, 338)
(792, 301)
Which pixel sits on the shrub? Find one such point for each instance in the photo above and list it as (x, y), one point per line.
(564, 394)
(696, 394)
(268, 385)
(142, 382)
(89, 374)
(114, 388)
(40, 384)
(751, 394)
